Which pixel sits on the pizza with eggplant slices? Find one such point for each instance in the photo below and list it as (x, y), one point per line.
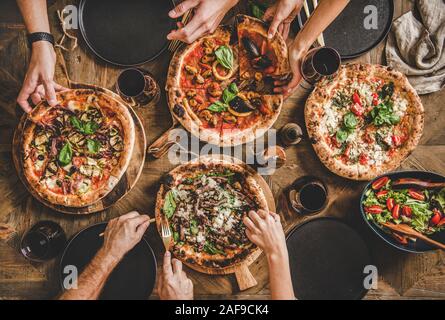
(75, 153)
(205, 202)
(221, 86)
(364, 121)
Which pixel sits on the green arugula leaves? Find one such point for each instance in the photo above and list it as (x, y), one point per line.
(383, 114)
(169, 204)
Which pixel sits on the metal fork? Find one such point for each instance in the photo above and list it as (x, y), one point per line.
(166, 233)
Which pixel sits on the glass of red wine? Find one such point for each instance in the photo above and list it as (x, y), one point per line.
(137, 87)
(44, 241)
(307, 195)
(319, 62)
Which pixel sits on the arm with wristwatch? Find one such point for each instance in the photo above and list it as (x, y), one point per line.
(39, 80)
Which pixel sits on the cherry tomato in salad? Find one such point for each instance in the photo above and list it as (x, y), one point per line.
(375, 209)
(396, 212)
(407, 211)
(415, 194)
(390, 203)
(435, 219)
(381, 193)
(379, 183)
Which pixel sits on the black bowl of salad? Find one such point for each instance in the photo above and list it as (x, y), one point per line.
(398, 198)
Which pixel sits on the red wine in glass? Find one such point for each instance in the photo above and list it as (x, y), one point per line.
(308, 195)
(44, 241)
(137, 87)
(320, 62)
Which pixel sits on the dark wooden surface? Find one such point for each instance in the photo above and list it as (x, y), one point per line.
(401, 276)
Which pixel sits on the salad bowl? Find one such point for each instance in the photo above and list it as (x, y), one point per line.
(419, 215)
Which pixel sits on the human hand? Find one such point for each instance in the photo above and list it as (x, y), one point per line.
(173, 283)
(281, 15)
(297, 52)
(265, 230)
(206, 18)
(123, 233)
(39, 83)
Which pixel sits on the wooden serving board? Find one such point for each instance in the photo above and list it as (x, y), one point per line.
(125, 184)
(244, 277)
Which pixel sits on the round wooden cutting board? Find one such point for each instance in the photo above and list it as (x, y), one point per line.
(126, 183)
(242, 273)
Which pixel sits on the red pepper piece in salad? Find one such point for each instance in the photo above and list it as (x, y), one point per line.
(415, 194)
(379, 183)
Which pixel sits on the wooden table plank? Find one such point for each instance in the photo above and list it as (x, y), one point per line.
(402, 276)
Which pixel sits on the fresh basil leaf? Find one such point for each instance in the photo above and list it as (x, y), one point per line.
(350, 120)
(169, 204)
(228, 96)
(342, 135)
(90, 127)
(65, 154)
(234, 88)
(93, 146)
(224, 55)
(218, 106)
(76, 123)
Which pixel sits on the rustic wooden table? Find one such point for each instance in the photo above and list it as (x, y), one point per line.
(401, 276)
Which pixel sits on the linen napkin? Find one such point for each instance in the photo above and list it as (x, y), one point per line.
(416, 47)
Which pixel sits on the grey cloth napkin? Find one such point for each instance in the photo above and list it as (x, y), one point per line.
(416, 48)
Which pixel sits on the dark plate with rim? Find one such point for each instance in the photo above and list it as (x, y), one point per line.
(418, 246)
(348, 34)
(327, 259)
(132, 279)
(126, 33)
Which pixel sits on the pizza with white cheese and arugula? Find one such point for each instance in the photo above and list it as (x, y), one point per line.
(364, 121)
(205, 202)
(76, 152)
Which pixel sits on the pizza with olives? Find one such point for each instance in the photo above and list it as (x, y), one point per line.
(217, 100)
(364, 121)
(205, 202)
(75, 153)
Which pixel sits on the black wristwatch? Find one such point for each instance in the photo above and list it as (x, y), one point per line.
(40, 36)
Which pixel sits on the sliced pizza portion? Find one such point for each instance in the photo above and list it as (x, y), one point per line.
(205, 202)
(259, 57)
(208, 60)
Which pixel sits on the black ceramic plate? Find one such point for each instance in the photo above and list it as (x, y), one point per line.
(133, 278)
(327, 260)
(347, 33)
(418, 246)
(126, 33)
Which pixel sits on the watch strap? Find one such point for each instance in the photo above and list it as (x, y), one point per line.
(40, 36)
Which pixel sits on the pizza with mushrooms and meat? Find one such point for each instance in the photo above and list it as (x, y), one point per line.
(364, 121)
(75, 153)
(221, 86)
(205, 202)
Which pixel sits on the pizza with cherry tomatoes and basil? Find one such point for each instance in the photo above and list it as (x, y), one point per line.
(75, 153)
(221, 86)
(364, 121)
